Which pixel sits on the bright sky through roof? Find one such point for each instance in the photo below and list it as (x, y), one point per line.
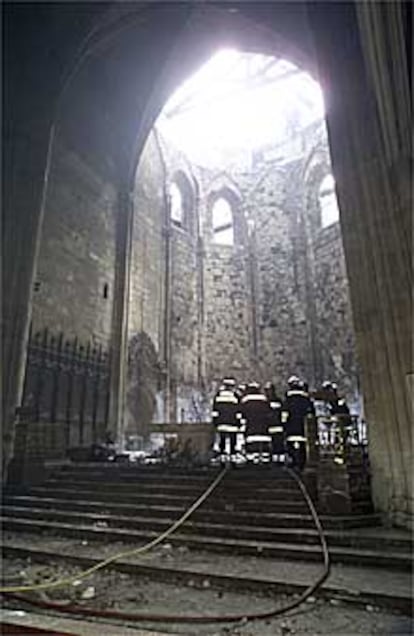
(239, 101)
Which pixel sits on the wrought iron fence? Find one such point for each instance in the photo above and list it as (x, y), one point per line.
(66, 383)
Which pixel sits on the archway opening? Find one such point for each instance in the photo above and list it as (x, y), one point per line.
(253, 290)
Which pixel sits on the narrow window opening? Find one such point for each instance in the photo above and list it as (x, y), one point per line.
(177, 209)
(328, 202)
(105, 291)
(223, 222)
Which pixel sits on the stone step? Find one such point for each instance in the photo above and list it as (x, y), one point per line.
(388, 558)
(221, 503)
(179, 489)
(281, 520)
(348, 538)
(269, 480)
(157, 471)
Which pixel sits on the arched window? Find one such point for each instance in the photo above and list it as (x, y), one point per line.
(328, 202)
(177, 208)
(223, 222)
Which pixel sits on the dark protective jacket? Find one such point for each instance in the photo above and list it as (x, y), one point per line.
(225, 413)
(254, 410)
(339, 409)
(274, 420)
(296, 406)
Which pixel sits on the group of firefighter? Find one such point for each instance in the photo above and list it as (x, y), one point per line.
(273, 428)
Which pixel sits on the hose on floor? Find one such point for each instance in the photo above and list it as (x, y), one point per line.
(173, 618)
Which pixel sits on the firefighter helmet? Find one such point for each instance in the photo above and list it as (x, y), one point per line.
(294, 382)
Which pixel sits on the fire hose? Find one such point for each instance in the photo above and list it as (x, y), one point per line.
(13, 592)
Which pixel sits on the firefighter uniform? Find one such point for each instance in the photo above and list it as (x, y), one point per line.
(341, 416)
(295, 408)
(275, 427)
(336, 406)
(254, 411)
(339, 407)
(226, 416)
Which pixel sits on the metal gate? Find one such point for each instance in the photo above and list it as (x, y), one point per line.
(67, 383)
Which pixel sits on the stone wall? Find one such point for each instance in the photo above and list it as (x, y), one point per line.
(184, 345)
(184, 395)
(282, 329)
(166, 384)
(228, 291)
(272, 304)
(295, 312)
(332, 336)
(146, 318)
(148, 252)
(334, 328)
(75, 274)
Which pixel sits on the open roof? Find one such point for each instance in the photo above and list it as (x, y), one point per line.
(238, 102)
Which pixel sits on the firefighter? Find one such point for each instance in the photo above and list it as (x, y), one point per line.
(275, 427)
(329, 391)
(337, 405)
(295, 408)
(226, 417)
(341, 417)
(254, 411)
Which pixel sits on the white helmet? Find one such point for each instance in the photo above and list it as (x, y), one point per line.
(294, 381)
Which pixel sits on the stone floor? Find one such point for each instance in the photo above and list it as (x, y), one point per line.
(349, 578)
(140, 594)
(321, 620)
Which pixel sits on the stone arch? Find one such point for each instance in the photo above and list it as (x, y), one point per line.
(225, 189)
(185, 185)
(102, 60)
(316, 168)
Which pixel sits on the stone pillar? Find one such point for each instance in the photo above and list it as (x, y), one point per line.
(119, 335)
(252, 265)
(364, 73)
(27, 152)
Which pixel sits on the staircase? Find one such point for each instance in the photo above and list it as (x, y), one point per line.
(254, 511)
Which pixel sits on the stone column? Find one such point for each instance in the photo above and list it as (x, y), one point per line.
(119, 335)
(364, 70)
(167, 318)
(252, 273)
(27, 156)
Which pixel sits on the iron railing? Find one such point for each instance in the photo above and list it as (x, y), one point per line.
(66, 382)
